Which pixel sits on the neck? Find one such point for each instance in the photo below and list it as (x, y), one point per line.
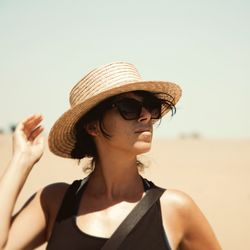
(116, 177)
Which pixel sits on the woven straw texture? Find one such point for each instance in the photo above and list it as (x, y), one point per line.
(96, 86)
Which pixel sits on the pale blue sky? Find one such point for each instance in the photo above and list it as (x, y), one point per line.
(47, 46)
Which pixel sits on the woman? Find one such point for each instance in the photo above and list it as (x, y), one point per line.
(110, 120)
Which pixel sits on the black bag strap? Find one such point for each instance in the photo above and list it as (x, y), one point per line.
(151, 196)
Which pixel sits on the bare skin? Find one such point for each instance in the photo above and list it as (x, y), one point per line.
(114, 188)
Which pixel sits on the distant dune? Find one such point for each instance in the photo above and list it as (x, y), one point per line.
(215, 173)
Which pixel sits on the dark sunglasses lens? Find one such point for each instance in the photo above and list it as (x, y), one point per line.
(153, 105)
(130, 109)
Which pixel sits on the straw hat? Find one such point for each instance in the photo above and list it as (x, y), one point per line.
(97, 85)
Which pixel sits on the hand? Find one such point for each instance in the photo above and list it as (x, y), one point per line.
(26, 140)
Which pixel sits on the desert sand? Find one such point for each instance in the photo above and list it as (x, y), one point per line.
(215, 173)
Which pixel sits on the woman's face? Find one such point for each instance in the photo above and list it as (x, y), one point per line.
(131, 136)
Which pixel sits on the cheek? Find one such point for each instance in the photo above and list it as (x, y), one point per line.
(121, 131)
(112, 124)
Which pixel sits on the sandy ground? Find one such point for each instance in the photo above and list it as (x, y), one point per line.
(215, 173)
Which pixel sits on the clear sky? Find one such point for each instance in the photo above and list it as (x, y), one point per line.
(47, 46)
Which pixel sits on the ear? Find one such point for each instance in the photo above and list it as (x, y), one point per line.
(92, 128)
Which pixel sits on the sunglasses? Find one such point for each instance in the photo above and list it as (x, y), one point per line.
(130, 109)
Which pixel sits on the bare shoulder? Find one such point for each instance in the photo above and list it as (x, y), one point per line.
(182, 214)
(179, 200)
(54, 192)
(45, 198)
(176, 207)
(52, 197)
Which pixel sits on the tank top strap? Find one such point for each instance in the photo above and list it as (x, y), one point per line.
(148, 184)
(71, 199)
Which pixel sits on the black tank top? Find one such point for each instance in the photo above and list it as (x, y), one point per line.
(148, 234)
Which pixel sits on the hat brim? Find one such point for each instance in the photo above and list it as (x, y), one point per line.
(62, 135)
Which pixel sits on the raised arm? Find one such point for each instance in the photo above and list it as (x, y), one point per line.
(28, 148)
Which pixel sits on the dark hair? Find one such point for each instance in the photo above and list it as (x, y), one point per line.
(85, 145)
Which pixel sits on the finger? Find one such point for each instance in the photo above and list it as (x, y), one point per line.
(35, 133)
(33, 120)
(32, 124)
(26, 121)
(30, 117)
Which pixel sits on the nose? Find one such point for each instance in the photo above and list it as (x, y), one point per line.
(145, 116)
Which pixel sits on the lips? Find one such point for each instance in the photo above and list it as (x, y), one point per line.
(143, 130)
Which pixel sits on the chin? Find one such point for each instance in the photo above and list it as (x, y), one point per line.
(142, 147)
